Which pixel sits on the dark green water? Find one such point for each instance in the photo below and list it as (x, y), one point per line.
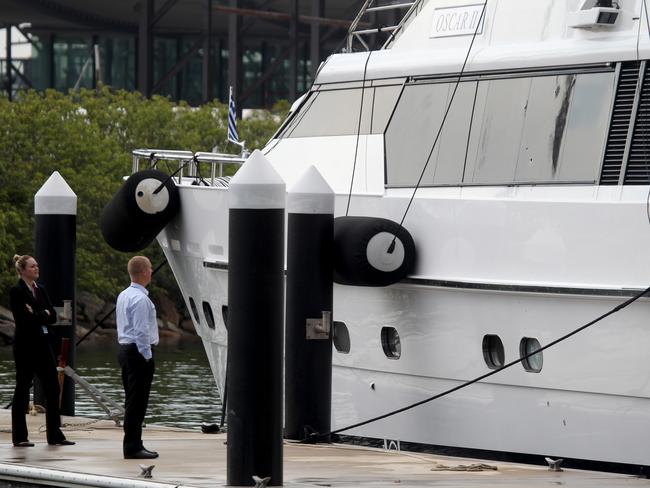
(183, 393)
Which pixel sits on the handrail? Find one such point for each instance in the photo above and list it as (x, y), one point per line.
(355, 23)
(353, 33)
(416, 4)
(192, 161)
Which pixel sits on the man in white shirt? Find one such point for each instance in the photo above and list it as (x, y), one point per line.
(137, 333)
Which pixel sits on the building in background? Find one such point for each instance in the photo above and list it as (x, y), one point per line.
(190, 50)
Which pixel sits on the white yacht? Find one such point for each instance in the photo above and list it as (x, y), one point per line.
(513, 139)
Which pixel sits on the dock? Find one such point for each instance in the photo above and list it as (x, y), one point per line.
(192, 459)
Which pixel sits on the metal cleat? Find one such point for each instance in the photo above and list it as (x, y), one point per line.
(554, 464)
(146, 470)
(261, 482)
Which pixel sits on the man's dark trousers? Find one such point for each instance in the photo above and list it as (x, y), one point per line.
(137, 375)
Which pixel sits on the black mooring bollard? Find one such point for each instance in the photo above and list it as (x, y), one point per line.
(255, 323)
(55, 210)
(308, 351)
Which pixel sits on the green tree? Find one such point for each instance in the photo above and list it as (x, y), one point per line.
(88, 137)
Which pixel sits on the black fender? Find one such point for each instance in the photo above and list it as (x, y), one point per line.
(371, 251)
(136, 213)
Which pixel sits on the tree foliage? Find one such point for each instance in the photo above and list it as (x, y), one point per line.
(88, 137)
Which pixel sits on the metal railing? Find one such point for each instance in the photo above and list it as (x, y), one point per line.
(371, 6)
(189, 163)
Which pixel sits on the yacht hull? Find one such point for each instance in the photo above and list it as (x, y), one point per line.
(591, 398)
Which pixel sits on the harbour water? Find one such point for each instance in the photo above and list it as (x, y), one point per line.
(183, 393)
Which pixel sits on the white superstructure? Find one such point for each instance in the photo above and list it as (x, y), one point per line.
(530, 219)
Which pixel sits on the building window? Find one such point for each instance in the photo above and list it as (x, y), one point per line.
(390, 343)
(209, 318)
(532, 363)
(493, 351)
(341, 337)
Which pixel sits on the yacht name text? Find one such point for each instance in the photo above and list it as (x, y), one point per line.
(457, 21)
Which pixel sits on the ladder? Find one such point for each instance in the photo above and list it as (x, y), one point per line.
(404, 9)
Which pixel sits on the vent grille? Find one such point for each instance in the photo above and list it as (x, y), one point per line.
(637, 171)
(620, 123)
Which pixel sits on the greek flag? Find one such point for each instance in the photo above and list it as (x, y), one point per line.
(232, 120)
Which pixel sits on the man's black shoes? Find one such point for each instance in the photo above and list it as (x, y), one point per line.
(64, 442)
(24, 444)
(141, 454)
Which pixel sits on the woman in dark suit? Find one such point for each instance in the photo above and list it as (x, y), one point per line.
(33, 313)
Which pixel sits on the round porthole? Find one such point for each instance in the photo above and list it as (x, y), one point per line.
(493, 351)
(341, 337)
(390, 343)
(195, 311)
(532, 363)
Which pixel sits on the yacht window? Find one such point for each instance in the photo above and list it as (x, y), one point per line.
(586, 127)
(336, 112)
(383, 103)
(209, 317)
(493, 352)
(195, 312)
(341, 337)
(329, 113)
(535, 362)
(224, 315)
(390, 343)
(412, 131)
(544, 127)
(541, 129)
(516, 130)
(497, 126)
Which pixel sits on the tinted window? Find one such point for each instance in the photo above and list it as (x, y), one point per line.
(224, 315)
(493, 352)
(413, 129)
(496, 131)
(535, 362)
(542, 129)
(209, 317)
(195, 312)
(391, 343)
(535, 129)
(334, 112)
(341, 337)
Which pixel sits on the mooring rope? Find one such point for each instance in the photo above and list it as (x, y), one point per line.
(442, 125)
(318, 436)
(356, 145)
(162, 185)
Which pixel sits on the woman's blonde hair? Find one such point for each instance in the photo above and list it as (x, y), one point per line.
(21, 262)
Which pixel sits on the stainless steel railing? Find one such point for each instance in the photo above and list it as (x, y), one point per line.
(189, 163)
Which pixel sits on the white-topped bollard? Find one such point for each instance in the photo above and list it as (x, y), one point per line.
(55, 210)
(308, 351)
(257, 197)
